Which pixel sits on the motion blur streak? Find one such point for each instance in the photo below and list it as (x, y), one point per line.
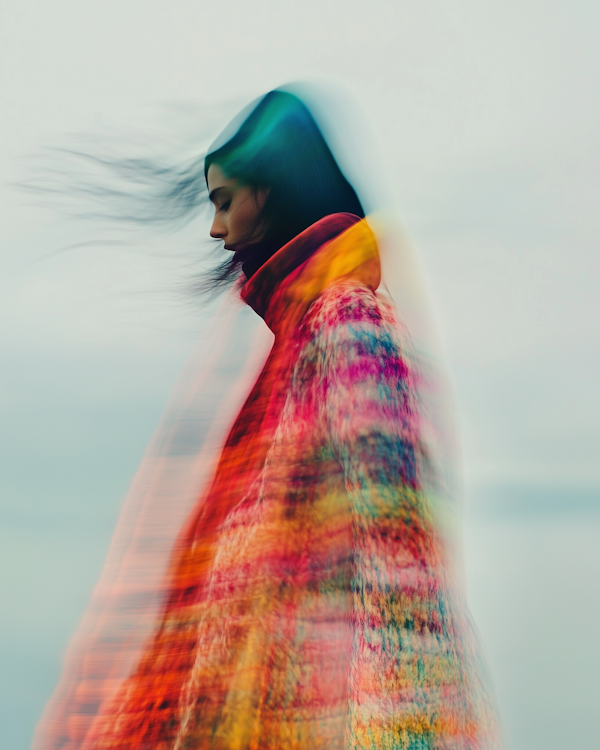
(311, 599)
(308, 596)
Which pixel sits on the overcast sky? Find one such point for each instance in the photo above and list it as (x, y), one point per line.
(487, 115)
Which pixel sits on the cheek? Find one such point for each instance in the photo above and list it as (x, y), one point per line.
(244, 218)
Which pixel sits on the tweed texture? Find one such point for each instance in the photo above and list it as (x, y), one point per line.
(310, 604)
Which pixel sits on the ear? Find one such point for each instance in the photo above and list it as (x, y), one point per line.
(261, 195)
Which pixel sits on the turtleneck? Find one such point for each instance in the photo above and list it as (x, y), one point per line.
(337, 246)
(252, 257)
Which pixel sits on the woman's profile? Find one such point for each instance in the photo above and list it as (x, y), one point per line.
(309, 600)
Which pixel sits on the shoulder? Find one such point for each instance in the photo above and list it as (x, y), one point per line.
(349, 312)
(351, 335)
(347, 303)
(362, 361)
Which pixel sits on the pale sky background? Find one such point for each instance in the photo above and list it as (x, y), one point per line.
(487, 115)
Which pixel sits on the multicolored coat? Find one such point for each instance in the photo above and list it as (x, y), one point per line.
(309, 605)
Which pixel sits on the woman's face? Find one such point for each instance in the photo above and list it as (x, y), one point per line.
(237, 210)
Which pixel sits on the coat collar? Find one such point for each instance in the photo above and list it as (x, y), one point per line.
(339, 246)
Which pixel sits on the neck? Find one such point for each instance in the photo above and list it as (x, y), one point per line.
(255, 256)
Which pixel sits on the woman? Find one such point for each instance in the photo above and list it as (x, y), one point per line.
(309, 601)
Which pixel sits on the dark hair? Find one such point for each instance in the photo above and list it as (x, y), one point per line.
(280, 147)
(274, 143)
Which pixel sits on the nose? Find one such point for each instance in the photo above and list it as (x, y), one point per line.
(218, 229)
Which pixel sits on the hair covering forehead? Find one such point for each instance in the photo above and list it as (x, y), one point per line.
(270, 121)
(344, 127)
(234, 126)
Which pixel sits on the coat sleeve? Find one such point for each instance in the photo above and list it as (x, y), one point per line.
(407, 685)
